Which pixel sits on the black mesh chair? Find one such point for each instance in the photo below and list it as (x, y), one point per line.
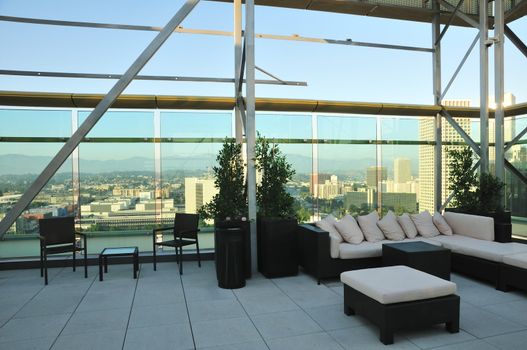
(58, 236)
(185, 232)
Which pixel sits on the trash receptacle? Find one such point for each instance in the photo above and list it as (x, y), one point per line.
(229, 257)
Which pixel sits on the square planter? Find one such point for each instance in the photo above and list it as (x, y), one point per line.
(277, 247)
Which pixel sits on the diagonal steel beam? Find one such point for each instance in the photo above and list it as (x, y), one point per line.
(460, 131)
(516, 40)
(516, 172)
(450, 19)
(94, 116)
(270, 75)
(515, 139)
(451, 196)
(460, 14)
(461, 64)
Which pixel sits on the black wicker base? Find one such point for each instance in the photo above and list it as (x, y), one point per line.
(400, 316)
(512, 276)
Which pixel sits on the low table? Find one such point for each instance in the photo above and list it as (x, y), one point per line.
(113, 252)
(400, 298)
(421, 256)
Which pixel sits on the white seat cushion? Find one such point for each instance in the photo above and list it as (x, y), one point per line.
(349, 230)
(390, 227)
(476, 226)
(328, 224)
(518, 260)
(397, 284)
(368, 225)
(364, 250)
(425, 225)
(493, 251)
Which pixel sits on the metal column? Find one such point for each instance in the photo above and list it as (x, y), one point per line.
(250, 125)
(95, 115)
(484, 85)
(238, 129)
(438, 152)
(499, 82)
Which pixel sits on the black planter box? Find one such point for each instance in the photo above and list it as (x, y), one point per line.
(277, 247)
(247, 239)
(502, 223)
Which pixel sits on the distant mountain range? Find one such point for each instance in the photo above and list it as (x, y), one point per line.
(17, 164)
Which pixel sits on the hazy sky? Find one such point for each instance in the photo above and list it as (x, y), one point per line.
(333, 72)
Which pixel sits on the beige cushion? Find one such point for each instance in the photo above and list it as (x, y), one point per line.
(349, 230)
(407, 225)
(424, 224)
(441, 224)
(390, 227)
(493, 251)
(518, 260)
(358, 251)
(328, 224)
(397, 284)
(476, 226)
(368, 224)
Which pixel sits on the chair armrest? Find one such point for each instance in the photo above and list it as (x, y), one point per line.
(80, 234)
(41, 238)
(313, 247)
(162, 229)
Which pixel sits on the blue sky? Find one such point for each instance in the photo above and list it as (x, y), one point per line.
(333, 72)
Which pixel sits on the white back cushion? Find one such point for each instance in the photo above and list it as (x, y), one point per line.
(475, 226)
(424, 224)
(349, 230)
(441, 224)
(368, 224)
(408, 225)
(328, 224)
(390, 227)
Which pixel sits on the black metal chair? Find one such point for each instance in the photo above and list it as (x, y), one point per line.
(185, 232)
(58, 236)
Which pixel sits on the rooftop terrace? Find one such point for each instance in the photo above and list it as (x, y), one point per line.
(161, 310)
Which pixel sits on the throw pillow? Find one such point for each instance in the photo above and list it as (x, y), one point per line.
(349, 230)
(425, 225)
(368, 224)
(391, 229)
(441, 224)
(408, 225)
(328, 224)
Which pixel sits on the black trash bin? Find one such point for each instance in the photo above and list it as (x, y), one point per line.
(229, 257)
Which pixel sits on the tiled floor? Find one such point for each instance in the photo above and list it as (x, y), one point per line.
(160, 310)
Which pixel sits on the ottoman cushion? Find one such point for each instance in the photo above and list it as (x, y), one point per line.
(397, 284)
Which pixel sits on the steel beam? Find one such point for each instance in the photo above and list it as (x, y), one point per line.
(250, 126)
(515, 40)
(143, 77)
(484, 85)
(445, 28)
(451, 195)
(499, 90)
(462, 132)
(94, 116)
(461, 64)
(438, 127)
(238, 122)
(461, 14)
(347, 42)
(515, 139)
(516, 173)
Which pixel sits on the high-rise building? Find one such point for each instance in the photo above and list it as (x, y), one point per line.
(318, 179)
(426, 155)
(375, 174)
(198, 192)
(402, 170)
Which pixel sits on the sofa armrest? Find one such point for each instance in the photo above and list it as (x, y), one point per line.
(313, 247)
(475, 226)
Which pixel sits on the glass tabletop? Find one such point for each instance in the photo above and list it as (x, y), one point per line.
(119, 251)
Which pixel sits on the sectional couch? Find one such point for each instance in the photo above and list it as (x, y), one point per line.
(474, 252)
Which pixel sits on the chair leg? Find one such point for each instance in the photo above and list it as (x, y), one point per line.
(177, 255)
(154, 256)
(74, 260)
(199, 257)
(85, 262)
(181, 260)
(45, 267)
(41, 263)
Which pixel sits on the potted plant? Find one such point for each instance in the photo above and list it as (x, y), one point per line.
(277, 225)
(479, 196)
(228, 208)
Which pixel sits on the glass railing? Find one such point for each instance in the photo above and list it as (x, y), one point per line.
(137, 168)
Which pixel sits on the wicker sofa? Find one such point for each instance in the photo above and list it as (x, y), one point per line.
(474, 251)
